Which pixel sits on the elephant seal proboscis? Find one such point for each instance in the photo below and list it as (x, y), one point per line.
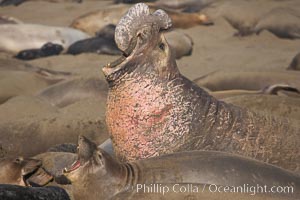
(152, 109)
(96, 175)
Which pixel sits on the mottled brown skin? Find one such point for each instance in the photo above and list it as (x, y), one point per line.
(14, 170)
(99, 176)
(153, 110)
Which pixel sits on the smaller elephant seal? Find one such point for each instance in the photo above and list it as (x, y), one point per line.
(48, 49)
(96, 175)
(71, 91)
(17, 37)
(282, 22)
(15, 192)
(295, 64)
(16, 170)
(100, 45)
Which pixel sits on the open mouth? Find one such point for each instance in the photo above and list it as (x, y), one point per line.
(115, 66)
(73, 167)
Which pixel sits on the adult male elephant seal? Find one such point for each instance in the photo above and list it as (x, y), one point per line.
(96, 175)
(153, 110)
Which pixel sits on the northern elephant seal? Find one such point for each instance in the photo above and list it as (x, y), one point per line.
(48, 49)
(153, 110)
(71, 91)
(247, 80)
(94, 21)
(96, 175)
(18, 37)
(282, 22)
(14, 170)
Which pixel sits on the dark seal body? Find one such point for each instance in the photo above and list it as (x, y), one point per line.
(153, 110)
(15, 192)
(48, 49)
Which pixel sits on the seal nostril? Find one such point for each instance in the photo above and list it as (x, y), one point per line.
(162, 46)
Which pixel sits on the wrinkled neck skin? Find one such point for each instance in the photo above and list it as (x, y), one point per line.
(95, 182)
(153, 110)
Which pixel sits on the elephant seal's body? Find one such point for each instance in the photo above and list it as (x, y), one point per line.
(96, 175)
(153, 110)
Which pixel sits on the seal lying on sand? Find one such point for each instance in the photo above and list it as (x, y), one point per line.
(70, 91)
(153, 110)
(223, 80)
(96, 175)
(48, 49)
(282, 22)
(18, 37)
(16, 170)
(93, 21)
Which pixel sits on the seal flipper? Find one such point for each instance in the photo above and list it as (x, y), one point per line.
(39, 178)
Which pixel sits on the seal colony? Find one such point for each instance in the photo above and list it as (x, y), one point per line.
(153, 110)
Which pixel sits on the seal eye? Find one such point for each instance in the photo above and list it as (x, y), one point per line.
(162, 46)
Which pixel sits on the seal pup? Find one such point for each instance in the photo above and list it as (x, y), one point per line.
(93, 21)
(48, 49)
(18, 37)
(100, 45)
(152, 109)
(16, 170)
(282, 22)
(96, 175)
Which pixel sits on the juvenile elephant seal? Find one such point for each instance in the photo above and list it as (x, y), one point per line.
(71, 91)
(18, 37)
(96, 175)
(153, 110)
(282, 22)
(224, 80)
(100, 45)
(16, 170)
(48, 49)
(93, 21)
